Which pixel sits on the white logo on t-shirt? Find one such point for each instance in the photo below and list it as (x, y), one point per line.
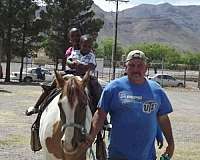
(149, 106)
(128, 97)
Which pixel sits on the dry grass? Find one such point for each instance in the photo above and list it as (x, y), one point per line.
(15, 127)
(13, 140)
(185, 123)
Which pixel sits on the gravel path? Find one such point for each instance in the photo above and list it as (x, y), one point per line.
(15, 126)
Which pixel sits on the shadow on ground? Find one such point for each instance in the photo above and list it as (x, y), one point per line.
(4, 91)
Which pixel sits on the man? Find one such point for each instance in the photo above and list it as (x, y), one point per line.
(39, 72)
(135, 105)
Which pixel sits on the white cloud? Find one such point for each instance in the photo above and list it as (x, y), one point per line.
(111, 6)
(174, 2)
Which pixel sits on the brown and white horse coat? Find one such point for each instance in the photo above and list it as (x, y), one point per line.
(62, 142)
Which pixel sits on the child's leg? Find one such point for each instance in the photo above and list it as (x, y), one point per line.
(47, 89)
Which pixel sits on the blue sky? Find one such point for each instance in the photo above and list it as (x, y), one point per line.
(110, 6)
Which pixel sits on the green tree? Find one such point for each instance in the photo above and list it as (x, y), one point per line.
(19, 29)
(63, 15)
(156, 52)
(191, 59)
(28, 31)
(105, 49)
(8, 10)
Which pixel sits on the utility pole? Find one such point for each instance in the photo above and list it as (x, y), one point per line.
(114, 49)
(199, 78)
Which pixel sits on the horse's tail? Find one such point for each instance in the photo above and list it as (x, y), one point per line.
(101, 153)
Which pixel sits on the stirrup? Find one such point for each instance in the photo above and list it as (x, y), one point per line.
(31, 110)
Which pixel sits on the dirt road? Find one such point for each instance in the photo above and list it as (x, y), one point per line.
(15, 126)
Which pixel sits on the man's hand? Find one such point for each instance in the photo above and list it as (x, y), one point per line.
(89, 139)
(159, 144)
(169, 150)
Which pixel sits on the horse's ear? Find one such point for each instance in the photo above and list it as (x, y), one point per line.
(86, 79)
(59, 79)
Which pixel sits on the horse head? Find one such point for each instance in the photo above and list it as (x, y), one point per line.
(73, 105)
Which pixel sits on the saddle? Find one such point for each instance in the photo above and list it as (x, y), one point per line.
(35, 140)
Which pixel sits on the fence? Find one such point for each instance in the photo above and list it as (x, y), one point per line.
(105, 73)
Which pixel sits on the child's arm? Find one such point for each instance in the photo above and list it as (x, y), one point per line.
(83, 68)
(71, 64)
(87, 62)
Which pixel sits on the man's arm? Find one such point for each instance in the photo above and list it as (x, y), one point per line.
(167, 131)
(97, 124)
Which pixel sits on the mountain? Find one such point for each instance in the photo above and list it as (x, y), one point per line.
(178, 26)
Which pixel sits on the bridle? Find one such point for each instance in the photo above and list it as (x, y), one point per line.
(75, 125)
(79, 126)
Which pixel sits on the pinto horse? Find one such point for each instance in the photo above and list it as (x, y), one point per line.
(66, 120)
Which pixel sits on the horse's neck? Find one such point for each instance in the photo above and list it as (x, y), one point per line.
(88, 119)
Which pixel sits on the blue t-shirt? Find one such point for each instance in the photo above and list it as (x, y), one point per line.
(133, 110)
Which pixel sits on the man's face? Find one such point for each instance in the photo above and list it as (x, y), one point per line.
(75, 38)
(136, 69)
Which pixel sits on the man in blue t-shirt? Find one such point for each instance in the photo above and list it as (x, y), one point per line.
(136, 106)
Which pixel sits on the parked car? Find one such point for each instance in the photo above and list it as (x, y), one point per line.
(166, 80)
(31, 75)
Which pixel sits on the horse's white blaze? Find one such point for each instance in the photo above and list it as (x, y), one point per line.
(69, 113)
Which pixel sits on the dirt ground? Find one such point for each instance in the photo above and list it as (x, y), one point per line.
(15, 126)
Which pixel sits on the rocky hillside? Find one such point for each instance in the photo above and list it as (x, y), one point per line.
(178, 26)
